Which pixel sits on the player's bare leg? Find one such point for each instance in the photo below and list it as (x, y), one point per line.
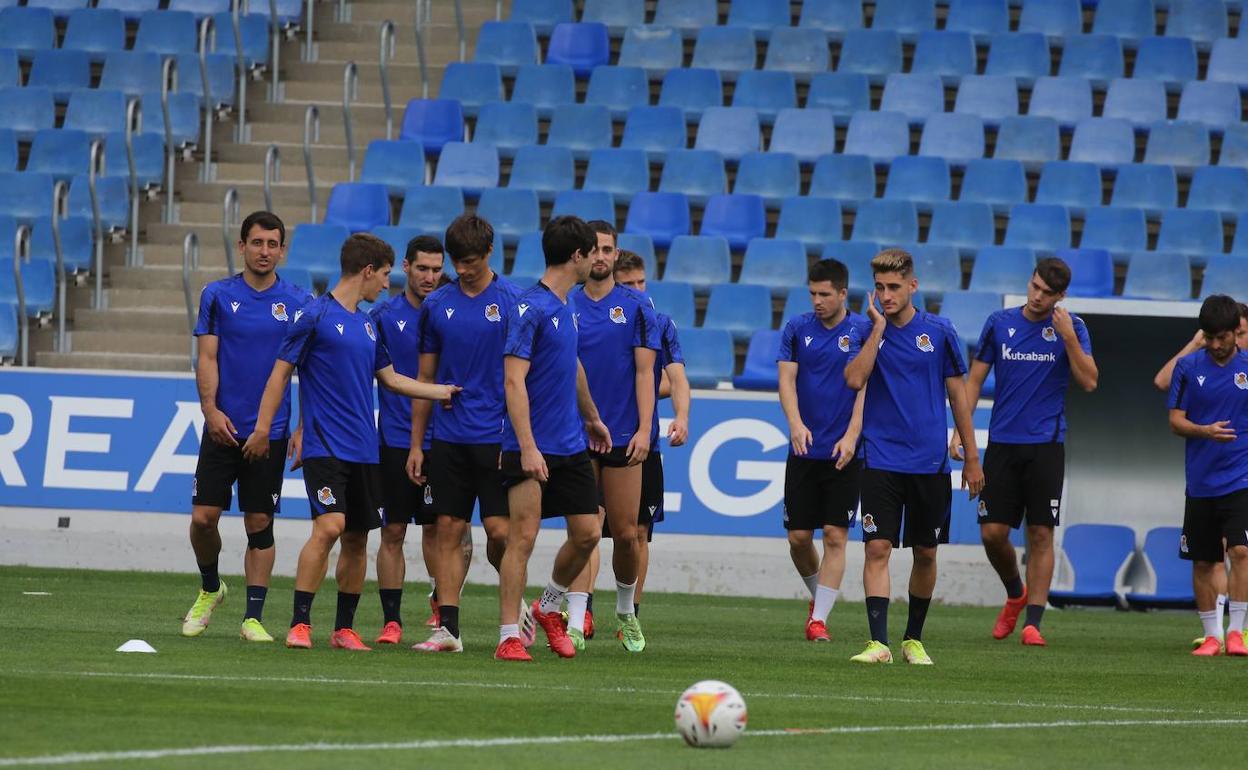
(878, 587)
(580, 622)
(391, 572)
(643, 563)
(525, 503)
(1040, 559)
(429, 552)
(1003, 558)
(350, 573)
(206, 543)
(828, 588)
(310, 571)
(622, 496)
(258, 568)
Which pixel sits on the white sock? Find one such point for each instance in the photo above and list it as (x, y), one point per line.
(825, 600)
(1212, 624)
(1238, 610)
(577, 601)
(507, 631)
(812, 582)
(552, 597)
(1221, 607)
(624, 593)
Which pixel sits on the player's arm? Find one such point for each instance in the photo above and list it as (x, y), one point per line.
(294, 450)
(847, 447)
(974, 386)
(1082, 365)
(1161, 380)
(421, 409)
(678, 430)
(1220, 431)
(406, 386)
(257, 445)
(799, 434)
(961, 405)
(595, 429)
(858, 370)
(516, 392)
(643, 384)
(207, 379)
(665, 385)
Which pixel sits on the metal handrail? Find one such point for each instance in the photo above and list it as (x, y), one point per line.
(190, 262)
(206, 31)
(311, 132)
(95, 170)
(422, 25)
(350, 89)
(272, 173)
(459, 28)
(342, 10)
(229, 216)
(241, 65)
(21, 246)
(498, 10)
(60, 192)
(307, 40)
(134, 111)
(385, 52)
(168, 82)
(275, 91)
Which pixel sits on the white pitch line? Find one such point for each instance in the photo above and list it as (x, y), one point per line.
(624, 690)
(552, 740)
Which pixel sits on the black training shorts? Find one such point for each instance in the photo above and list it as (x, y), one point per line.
(570, 489)
(259, 483)
(1023, 482)
(404, 502)
(817, 495)
(352, 489)
(1207, 520)
(462, 475)
(918, 502)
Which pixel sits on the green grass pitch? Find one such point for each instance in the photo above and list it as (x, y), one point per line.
(1112, 690)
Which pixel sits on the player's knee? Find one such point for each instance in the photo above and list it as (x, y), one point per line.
(354, 543)
(1039, 539)
(924, 558)
(800, 539)
(993, 535)
(393, 534)
(878, 550)
(261, 540)
(834, 538)
(584, 539)
(204, 518)
(1238, 554)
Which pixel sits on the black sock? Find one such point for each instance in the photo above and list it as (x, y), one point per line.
(918, 615)
(1034, 613)
(255, 602)
(589, 604)
(303, 608)
(636, 610)
(877, 618)
(391, 598)
(346, 610)
(209, 580)
(1014, 587)
(449, 615)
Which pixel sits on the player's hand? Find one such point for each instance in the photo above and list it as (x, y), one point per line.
(1220, 431)
(638, 447)
(1063, 324)
(873, 313)
(219, 428)
(257, 446)
(844, 450)
(677, 432)
(294, 451)
(416, 465)
(444, 394)
(1198, 340)
(599, 437)
(534, 465)
(973, 478)
(955, 447)
(801, 439)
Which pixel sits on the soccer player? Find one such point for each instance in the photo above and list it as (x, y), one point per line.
(908, 363)
(822, 474)
(619, 340)
(544, 440)
(671, 382)
(1036, 350)
(1209, 407)
(335, 347)
(463, 326)
(396, 323)
(242, 322)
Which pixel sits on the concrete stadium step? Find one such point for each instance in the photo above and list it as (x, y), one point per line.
(365, 115)
(333, 139)
(131, 299)
(146, 320)
(251, 195)
(367, 93)
(164, 344)
(323, 155)
(325, 73)
(164, 277)
(151, 362)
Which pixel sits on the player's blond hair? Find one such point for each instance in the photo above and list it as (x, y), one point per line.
(893, 261)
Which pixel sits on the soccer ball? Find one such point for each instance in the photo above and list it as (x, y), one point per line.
(710, 714)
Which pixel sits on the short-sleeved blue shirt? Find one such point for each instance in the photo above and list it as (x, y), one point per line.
(825, 402)
(1209, 393)
(669, 353)
(397, 324)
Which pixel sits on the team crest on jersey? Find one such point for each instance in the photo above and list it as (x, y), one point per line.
(428, 495)
(325, 496)
(868, 524)
(924, 343)
(983, 509)
(1241, 380)
(194, 486)
(843, 343)
(368, 327)
(491, 313)
(1048, 334)
(1182, 543)
(617, 315)
(279, 311)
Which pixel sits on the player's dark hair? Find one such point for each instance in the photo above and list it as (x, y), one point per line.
(564, 236)
(1054, 272)
(1219, 313)
(423, 244)
(469, 236)
(363, 250)
(893, 261)
(604, 227)
(267, 221)
(1243, 310)
(832, 270)
(629, 260)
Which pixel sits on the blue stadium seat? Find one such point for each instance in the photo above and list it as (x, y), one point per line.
(908, 17)
(967, 310)
(8, 150)
(923, 181)
(581, 46)
(1170, 576)
(433, 123)
(512, 211)
(586, 204)
(1140, 102)
(847, 178)
(802, 52)
(1000, 183)
(991, 97)
(775, 263)
(978, 17)
(844, 93)
(660, 215)
(964, 225)
(880, 136)
(1095, 58)
(1225, 275)
(709, 356)
(545, 169)
(1098, 555)
(431, 209)
(200, 8)
(947, 54)
(1038, 226)
(1204, 21)
(77, 244)
(739, 309)
(317, 249)
(95, 31)
(1119, 231)
(1239, 247)
(581, 128)
(1002, 269)
(1031, 140)
(640, 243)
(807, 134)
(1091, 272)
(1065, 99)
(1074, 185)
(688, 16)
(171, 32)
(1234, 147)
(1181, 144)
(731, 50)
(1172, 60)
(693, 90)
(358, 206)
(38, 283)
(875, 53)
(890, 223)
(149, 158)
(472, 167)
(618, 15)
(132, 72)
(1221, 188)
(10, 70)
(811, 220)
(1147, 186)
(915, 96)
(856, 255)
(530, 261)
(674, 299)
(253, 32)
(1130, 20)
(545, 86)
(834, 17)
(657, 50)
(61, 154)
(542, 14)
(61, 72)
(957, 138)
(1228, 62)
(760, 371)
(221, 78)
(111, 193)
(472, 84)
(773, 176)
(938, 267)
(1024, 55)
(1158, 275)
(655, 130)
(1192, 232)
(1216, 105)
(796, 302)
(1052, 18)
(701, 261)
(698, 174)
(303, 279)
(621, 172)
(506, 125)
(184, 117)
(96, 112)
(619, 89)
(731, 131)
(737, 218)
(132, 10)
(27, 30)
(767, 93)
(759, 15)
(1104, 141)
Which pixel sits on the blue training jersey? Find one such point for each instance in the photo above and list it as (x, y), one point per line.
(468, 334)
(824, 401)
(669, 353)
(249, 326)
(1032, 371)
(338, 355)
(610, 330)
(903, 420)
(1210, 393)
(397, 325)
(543, 332)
